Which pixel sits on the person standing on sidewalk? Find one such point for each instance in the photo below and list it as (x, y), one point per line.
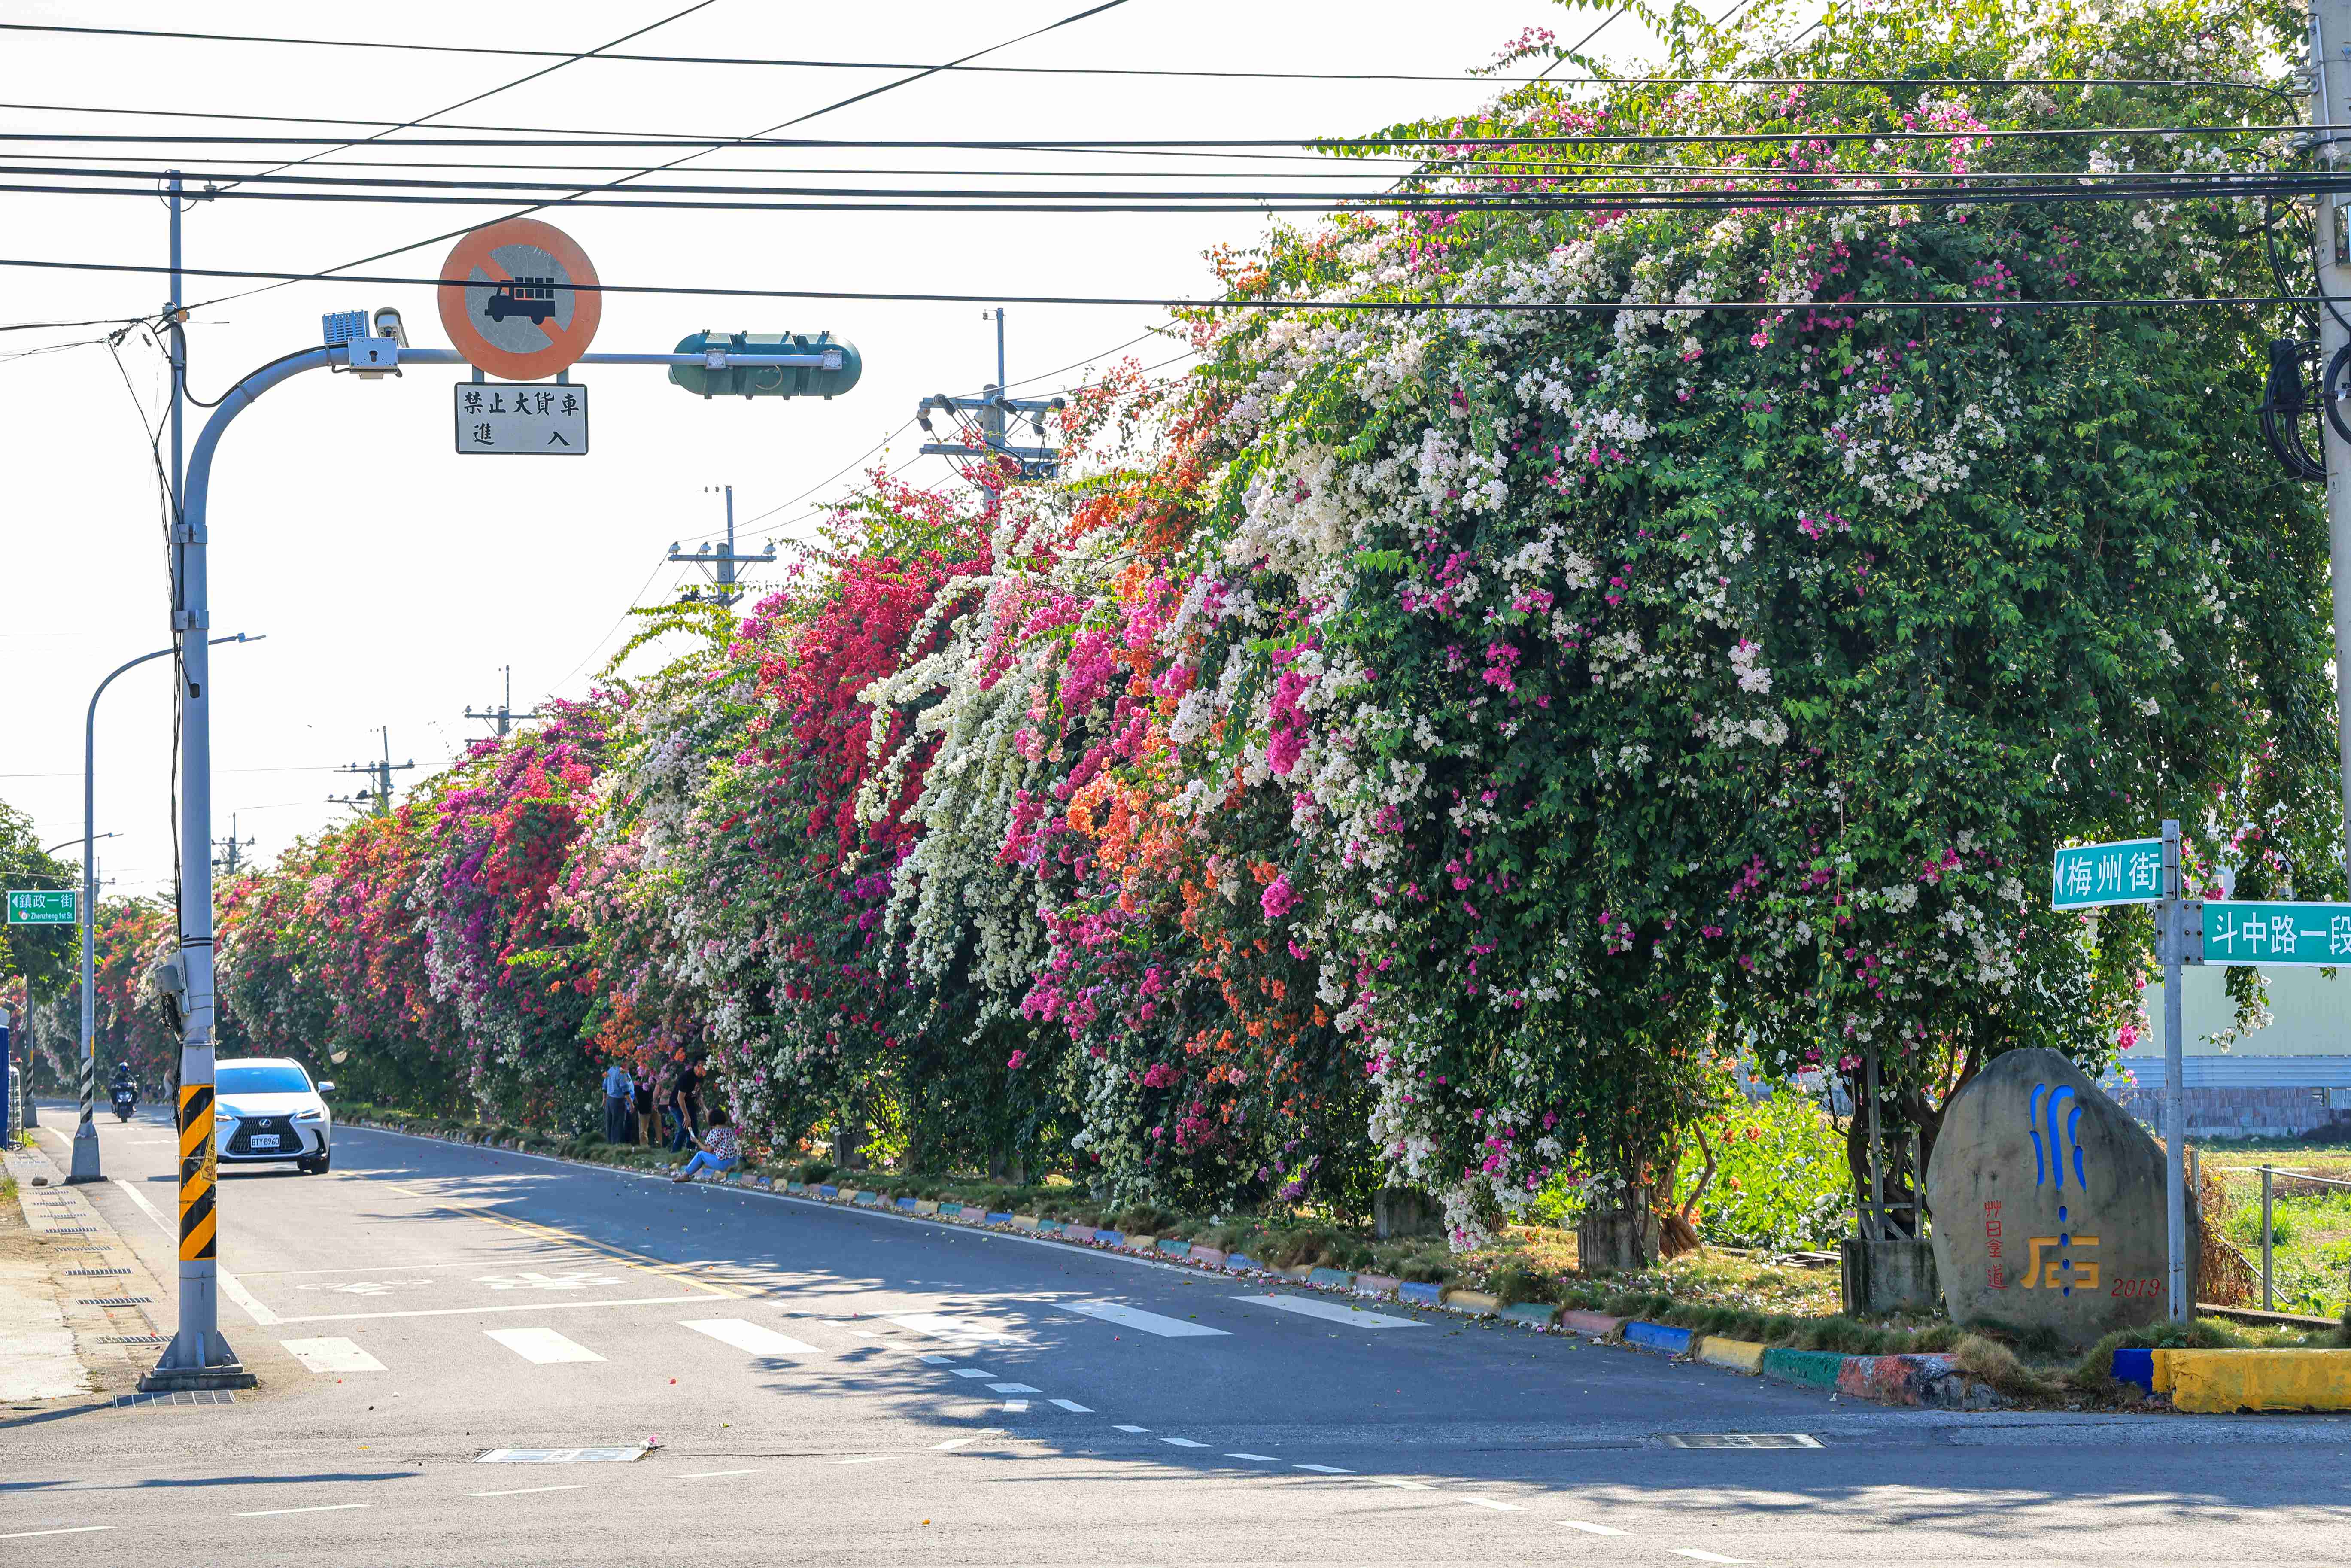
(619, 1091)
(648, 1123)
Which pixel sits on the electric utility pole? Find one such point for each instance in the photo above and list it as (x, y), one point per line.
(379, 799)
(721, 563)
(2330, 103)
(231, 850)
(1000, 460)
(504, 715)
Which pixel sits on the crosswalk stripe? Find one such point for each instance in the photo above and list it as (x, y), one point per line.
(1149, 1322)
(541, 1346)
(745, 1335)
(1072, 1406)
(1332, 1311)
(332, 1356)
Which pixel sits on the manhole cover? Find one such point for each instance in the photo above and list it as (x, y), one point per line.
(560, 1455)
(1741, 1440)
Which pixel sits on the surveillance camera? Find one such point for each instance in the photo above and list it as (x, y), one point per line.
(387, 324)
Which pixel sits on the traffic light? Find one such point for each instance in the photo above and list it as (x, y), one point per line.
(836, 375)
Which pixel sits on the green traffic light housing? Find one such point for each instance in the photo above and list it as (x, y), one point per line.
(838, 373)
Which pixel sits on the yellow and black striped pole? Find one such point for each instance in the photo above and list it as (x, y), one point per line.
(199, 1173)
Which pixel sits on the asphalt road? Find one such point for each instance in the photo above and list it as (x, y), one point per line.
(841, 1387)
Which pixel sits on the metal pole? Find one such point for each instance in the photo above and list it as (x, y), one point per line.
(2330, 62)
(85, 1144)
(2174, 1094)
(726, 562)
(198, 1355)
(2269, 1300)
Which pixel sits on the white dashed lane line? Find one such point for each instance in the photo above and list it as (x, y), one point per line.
(1182, 1443)
(525, 1491)
(1323, 1469)
(1490, 1503)
(1013, 1388)
(63, 1530)
(969, 1372)
(1590, 1529)
(1014, 1406)
(706, 1474)
(1703, 1556)
(1072, 1406)
(318, 1508)
(1260, 1459)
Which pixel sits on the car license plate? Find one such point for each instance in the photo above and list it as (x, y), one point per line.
(263, 1141)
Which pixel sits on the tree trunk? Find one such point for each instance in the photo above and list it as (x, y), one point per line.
(1611, 1240)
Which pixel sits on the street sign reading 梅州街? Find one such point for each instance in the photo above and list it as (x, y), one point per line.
(2088, 876)
(2250, 933)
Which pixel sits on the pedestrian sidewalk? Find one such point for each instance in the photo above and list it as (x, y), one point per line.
(77, 1306)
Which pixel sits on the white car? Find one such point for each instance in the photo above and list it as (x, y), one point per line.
(268, 1110)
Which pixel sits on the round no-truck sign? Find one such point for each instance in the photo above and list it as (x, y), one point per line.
(513, 303)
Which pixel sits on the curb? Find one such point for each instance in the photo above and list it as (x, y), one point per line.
(1922, 1380)
(2221, 1382)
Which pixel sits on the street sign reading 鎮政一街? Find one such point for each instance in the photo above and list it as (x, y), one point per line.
(2269, 934)
(40, 907)
(2090, 875)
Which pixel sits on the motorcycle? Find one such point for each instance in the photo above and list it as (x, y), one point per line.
(126, 1100)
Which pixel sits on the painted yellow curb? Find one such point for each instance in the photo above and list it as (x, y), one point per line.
(1739, 1355)
(1477, 1301)
(2225, 1380)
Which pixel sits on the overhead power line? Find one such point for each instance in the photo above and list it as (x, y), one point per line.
(1409, 307)
(620, 56)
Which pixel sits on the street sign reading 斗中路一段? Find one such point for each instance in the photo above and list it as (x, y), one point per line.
(40, 906)
(522, 420)
(2090, 875)
(2267, 934)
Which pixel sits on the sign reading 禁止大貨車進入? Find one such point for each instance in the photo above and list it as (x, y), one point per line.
(2088, 876)
(500, 419)
(41, 906)
(2269, 934)
(2049, 1204)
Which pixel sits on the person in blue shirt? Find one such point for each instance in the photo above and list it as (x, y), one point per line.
(619, 1089)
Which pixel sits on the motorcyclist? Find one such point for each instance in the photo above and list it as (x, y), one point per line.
(123, 1076)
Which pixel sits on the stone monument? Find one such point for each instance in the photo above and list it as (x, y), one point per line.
(2048, 1202)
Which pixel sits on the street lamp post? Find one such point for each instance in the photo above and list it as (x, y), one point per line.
(85, 1144)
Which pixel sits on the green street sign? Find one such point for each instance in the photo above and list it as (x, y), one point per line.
(40, 907)
(2268, 933)
(2089, 876)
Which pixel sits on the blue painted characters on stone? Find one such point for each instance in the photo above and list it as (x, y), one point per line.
(2062, 1273)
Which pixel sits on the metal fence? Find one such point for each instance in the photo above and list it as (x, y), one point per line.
(2269, 1175)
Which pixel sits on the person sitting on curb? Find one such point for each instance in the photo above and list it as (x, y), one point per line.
(720, 1148)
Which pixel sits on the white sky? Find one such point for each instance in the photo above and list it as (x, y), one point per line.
(392, 578)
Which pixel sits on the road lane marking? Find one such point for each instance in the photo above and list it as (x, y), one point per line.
(231, 1286)
(1396, 1481)
(940, 1326)
(750, 1336)
(1013, 1406)
(550, 1304)
(1072, 1406)
(1260, 1458)
(67, 1530)
(936, 1360)
(542, 1345)
(1126, 1428)
(951, 1443)
(332, 1356)
(1149, 1322)
(525, 1491)
(319, 1507)
(1490, 1503)
(1013, 1388)
(1703, 1556)
(864, 1460)
(706, 1474)
(1182, 1443)
(1332, 1311)
(969, 1372)
(642, 1263)
(1323, 1469)
(1590, 1529)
